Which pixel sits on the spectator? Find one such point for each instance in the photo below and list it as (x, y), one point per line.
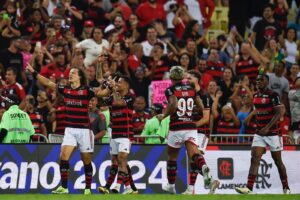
(215, 67)
(43, 107)
(11, 57)
(55, 69)
(145, 12)
(229, 123)
(57, 116)
(12, 86)
(96, 13)
(184, 61)
(94, 46)
(118, 8)
(266, 28)
(171, 7)
(168, 37)
(139, 117)
(293, 76)
(226, 85)
(159, 64)
(134, 60)
(132, 25)
(140, 83)
(244, 112)
(273, 53)
(91, 76)
(152, 126)
(207, 8)
(291, 49)
(278, 83)
(247, 62)
(294, 97)
(281, 12)
(238, 15)
(150, 41)
(88, 26)
(97, 120)
(181, 20)
(35, 117)
(9, 25)
(14, 120)
(205, 77)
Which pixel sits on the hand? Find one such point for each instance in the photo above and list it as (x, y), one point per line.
(219, 94)
(263, 131)
(236, 57)
(30, 68)
(67, 5)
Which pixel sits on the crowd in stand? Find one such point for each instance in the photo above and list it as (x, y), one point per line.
(143, 39)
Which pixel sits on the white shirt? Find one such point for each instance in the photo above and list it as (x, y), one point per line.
(170, 14)
(292, 52)
(194, 10)
(147, 47)
(92, 49)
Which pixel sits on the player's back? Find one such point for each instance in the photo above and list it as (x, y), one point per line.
(182, 118)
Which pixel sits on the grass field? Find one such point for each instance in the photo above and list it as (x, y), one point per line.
(148, 197)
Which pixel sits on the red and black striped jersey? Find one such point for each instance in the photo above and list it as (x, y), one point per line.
(37, 121)
(76, 103)
(216, 70)
(207, 103)
(264, 104)
(121, 117)
(162, 66)
(251, 128)
(60, 120)
(182, 118)
(247, 67)
(227, 127)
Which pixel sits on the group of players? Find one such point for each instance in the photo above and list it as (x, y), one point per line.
(185, 104)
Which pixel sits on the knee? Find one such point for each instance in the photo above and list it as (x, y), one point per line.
(122, 160)
(255, 159)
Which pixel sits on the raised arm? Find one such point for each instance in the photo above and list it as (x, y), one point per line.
(43, 80)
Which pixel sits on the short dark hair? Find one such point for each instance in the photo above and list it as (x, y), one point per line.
(13, 69)
(269, 5)
(195, 74)
(126, 79)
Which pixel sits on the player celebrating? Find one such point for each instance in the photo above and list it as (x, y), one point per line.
(121, 108)
(77, 132)
(268, 111)
(202, 123)
(181, 98)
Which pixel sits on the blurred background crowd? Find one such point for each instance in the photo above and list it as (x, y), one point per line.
(221, 44)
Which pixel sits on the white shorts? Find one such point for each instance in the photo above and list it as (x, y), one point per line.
(118, 145)
(177, 138)
(274, 142)
(81, 137)
(202, 141)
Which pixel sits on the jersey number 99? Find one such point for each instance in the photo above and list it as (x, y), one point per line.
(185, 107)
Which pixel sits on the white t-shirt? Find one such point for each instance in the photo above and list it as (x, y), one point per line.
(292, 52)
(92, 49)
(147, 47)
(278, 84)
(170, 14)
(194, 10)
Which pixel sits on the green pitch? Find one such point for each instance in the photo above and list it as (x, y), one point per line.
(148, 197)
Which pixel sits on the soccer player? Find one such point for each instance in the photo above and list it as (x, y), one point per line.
(121, 108)
(183, 131)
(77, 131)
(202, 122)
(268, 111)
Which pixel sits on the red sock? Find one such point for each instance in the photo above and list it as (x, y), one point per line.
(193, 174)
(88, 171)
(171, 171)
(112, 175)
(199, 161)
(251, 180)
(122, 176)
(130, 179)
(64, 169)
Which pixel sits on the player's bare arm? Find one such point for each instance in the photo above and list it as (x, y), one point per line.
(43, 80)
(171, 107)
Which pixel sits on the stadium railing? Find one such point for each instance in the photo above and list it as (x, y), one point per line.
(39, 138)
(55, 138)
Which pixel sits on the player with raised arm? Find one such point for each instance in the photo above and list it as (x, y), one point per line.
(183, 131)
(120, 102)
(268, 111)
(77, 132)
